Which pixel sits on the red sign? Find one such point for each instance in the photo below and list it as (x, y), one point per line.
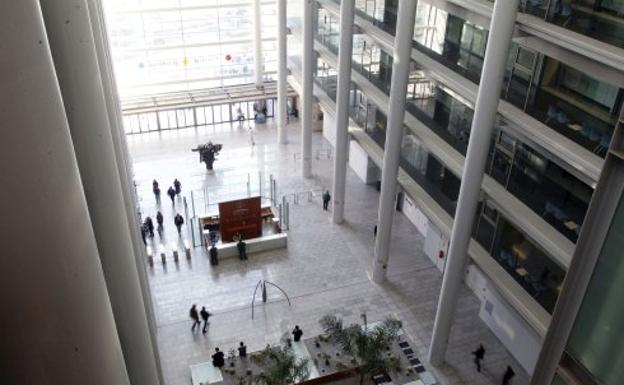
(242, 216)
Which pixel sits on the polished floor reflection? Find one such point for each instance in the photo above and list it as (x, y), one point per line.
(324, 269)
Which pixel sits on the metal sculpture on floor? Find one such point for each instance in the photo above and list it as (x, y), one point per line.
(262, 283)
(208, 153)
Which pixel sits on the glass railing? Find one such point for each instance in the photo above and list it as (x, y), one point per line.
(573, 115)
(599, 19)
(551, 192)
(521, 258)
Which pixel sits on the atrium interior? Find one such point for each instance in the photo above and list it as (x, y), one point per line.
(453, 165)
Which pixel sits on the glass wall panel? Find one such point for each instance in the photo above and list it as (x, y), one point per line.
(165, 46)
(597, 337)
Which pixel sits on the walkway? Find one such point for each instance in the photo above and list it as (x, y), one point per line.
(324, 269)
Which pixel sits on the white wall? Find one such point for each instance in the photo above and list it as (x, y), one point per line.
(329, 128)
(435, 241)
(361, 164)
(515, 334)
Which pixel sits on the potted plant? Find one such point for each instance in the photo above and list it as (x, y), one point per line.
(280, 366)
(366, 345)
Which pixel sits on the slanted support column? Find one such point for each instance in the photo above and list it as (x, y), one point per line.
(306, 99)
(282, 85)
(345, 50)
(257, 25)
(113, 107)
(501, 30)
(57, 324)
(75, 58)
(394, 134)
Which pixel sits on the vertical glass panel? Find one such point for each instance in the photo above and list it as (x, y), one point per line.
(597, 337)
(216, 110)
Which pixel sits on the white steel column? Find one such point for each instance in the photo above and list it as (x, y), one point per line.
(257, 25)
(306, 99)
(343, 92)
(394, 134)
(113, 106)
(75, 58)
(501, 30)
(57, 324)
(282, 85)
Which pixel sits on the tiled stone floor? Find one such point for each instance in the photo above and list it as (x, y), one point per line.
(324, 269)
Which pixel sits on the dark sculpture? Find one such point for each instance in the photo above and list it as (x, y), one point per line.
(208, 153)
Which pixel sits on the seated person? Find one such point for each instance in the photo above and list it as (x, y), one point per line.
(218, 359)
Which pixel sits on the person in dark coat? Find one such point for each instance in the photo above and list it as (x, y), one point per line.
(171, 192)
(217, 359)
(204, 314)
(177, 186)
(156, 190)
(326, 199)
(144, 232)
(194, 316)
(150, 226)
(375, 231)
(159, 221)
(242, 350)
(214, 255)
(242, 249)
(478, 356)
(297, 333)
(509, 374)
(179, 221)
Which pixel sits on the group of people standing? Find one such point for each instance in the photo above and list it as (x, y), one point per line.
(147, 227)
(479, 355)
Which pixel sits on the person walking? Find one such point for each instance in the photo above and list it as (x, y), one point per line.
(478, 356)
(251, 136)
(156, 190)
(214, 255)
(144, 232)
(217, 359)
(297, 333)
(171, 192)
(177, 186)
(242, 249)
(195, 317)
(150, 226)
(159, 220)
(326, 199)
(509, 374)
(375, 231)
(240, 117)
(204, 314)
(242, 350)
(179, 221)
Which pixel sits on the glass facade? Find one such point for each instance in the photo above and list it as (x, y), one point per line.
(550, 191)
(600, 19)
(595, 344)
(577, 105)
(176, 45)
(528, 264)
